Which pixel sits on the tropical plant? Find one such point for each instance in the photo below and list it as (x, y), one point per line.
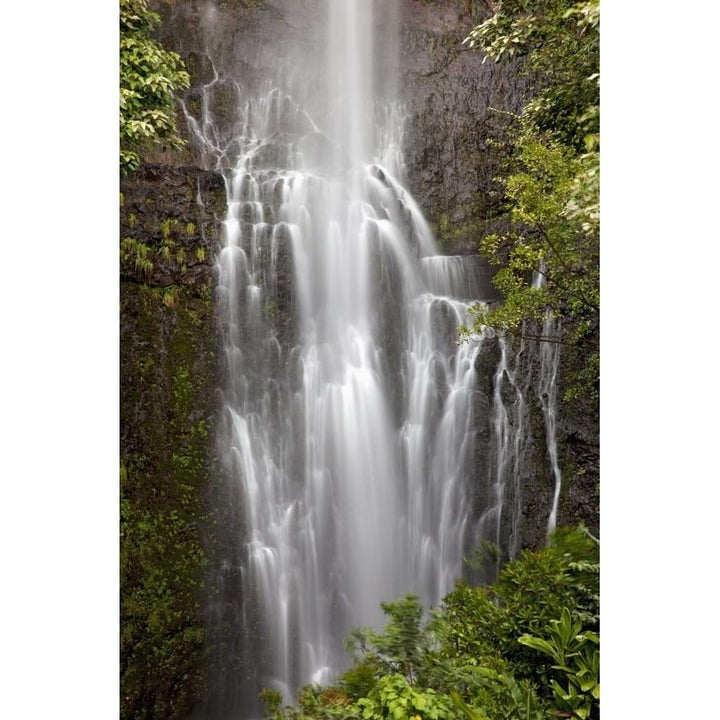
(577, 655)
(558, 44)
(150, 76)
(554, 240)
(395, 698)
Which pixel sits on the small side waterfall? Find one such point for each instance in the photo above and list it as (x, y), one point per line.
(349, 431)
(508, 421)
(547, 396)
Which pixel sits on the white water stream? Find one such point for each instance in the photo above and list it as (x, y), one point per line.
(349, 409)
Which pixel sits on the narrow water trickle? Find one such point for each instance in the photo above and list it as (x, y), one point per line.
(548, 401)
(349, 410)
(547, 396)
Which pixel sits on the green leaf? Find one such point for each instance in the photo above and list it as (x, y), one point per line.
(537, 644)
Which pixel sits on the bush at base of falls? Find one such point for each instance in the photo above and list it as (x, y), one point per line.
(526, 646)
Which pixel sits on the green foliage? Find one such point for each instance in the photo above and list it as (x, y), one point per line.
(272, 700)
(271, 310)
(552, 199)
(528, 593)
(476, 657)
(403, 645)
(553, 202)
(577, 655)
(149, 78)
(558, 42)
(138, 258)
(549, 258)
(485, 554)
(165, 227)
(359, 680)
(500, 695)
(396, 699)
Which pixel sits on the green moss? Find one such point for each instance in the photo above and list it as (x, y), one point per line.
(449, 232)
(161, 633)
(271, 310)
(194, 105)
(478, 11)
(167, 407)
(170, 296)
(223, 102)
(144, 366)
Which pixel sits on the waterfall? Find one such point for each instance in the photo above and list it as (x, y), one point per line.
(348, 434)
(547, 397)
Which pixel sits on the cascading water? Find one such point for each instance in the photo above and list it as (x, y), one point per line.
(508, 420)
(547, 396)
(349, 410)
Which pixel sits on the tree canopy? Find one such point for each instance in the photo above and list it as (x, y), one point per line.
(549, 256)
(149, 77)
(558, 42)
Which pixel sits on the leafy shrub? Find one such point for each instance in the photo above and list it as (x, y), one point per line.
(518, 649)
(149, 77)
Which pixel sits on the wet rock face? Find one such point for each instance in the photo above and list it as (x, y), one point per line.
(450, 96)
(451, 157)
(168, 336)
(172, 216)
